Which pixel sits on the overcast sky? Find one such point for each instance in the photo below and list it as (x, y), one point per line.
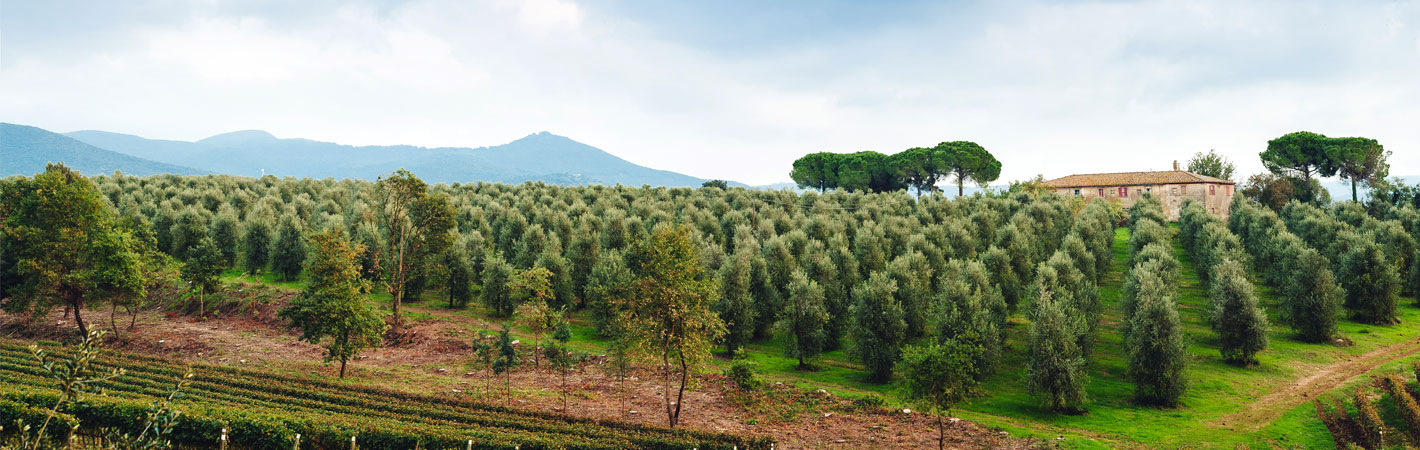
(732, 89)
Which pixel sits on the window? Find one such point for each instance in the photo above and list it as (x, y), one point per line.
(1137, 192)
(1173, 191)
(1101, 192)
(1149, 190)
(1183, 189)
(1229, 191)
(1077, 192)
(1123, 192)
(1210, 189)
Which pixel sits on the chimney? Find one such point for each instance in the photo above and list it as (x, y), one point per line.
(1175, 165)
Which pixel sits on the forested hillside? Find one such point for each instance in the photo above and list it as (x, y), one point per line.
(538, 157)
(25, 151)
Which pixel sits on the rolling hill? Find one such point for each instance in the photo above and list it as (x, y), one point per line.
(25, 150)
(538, 157)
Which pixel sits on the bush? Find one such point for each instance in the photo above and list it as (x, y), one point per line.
(879, 330)
(1371, 283)
(1239, 322)
(1055, 371)
(743, 374)
(1156, 349)
(1311, 298)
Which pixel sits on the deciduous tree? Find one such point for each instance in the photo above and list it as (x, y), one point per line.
(417, 224)
(1055, 371)
(667, 314)
(940, 375)
(290, 250)
(879, 330)
(1211, 164)
(804, 319)
(61, 239)
(331, 311)
(201, 271)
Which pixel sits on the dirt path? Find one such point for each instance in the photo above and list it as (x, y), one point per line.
(1276, 403)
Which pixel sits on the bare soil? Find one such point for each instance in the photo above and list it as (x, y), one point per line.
(434, 357)
(1319, 379)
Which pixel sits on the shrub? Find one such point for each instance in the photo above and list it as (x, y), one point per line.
(879, 330)
(1055, 371)
(1239, 322)
(1371, 283)
(1311, 299)
(742, 373)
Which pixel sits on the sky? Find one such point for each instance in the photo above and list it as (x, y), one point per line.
(732, 89)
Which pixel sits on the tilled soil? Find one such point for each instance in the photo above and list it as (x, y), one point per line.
(435, 358)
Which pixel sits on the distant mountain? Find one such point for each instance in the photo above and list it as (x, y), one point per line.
(538, 157)
(25, 150)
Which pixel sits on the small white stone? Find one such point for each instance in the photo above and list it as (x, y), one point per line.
(906, 411)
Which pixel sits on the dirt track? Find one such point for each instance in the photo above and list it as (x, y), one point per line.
(1270, 407)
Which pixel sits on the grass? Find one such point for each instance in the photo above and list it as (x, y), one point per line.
(1216, 389)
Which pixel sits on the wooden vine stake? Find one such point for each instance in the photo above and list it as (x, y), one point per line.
(297, 446)
(222, 442)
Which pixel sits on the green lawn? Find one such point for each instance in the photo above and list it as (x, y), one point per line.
(1217, 389)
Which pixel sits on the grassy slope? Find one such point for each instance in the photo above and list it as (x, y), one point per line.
(1216, 390)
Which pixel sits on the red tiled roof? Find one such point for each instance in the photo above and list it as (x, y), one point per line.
(1132, 179)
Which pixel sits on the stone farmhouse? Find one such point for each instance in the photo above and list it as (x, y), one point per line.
(1170, 187)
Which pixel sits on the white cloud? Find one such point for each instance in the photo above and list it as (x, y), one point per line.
(1049, 88)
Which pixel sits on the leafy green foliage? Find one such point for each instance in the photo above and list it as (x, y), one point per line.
(289, 253)
(1055, 371)
(331, 311)
(1371, 284)
(417, 225)
(496, 293)
(65, 249)
(1156, 349)
(804, 319)
(939, 375)
(263, 410)
(256, 246)
(202, 269)
(736, 305)
(1211, 164)
(1240, 323)
(879, 329)
(667, 314)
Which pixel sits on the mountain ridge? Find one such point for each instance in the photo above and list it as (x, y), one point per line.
(25, 150)
(541, 156)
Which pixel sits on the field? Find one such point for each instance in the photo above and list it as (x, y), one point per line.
(266, 411)
(1268, 405)
(882, 271)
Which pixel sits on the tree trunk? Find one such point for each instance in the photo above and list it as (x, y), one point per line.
(941, 434)
(666, 387)
(397, 290)
(76, 303)
(342, 368)
(1353, 190)
(680, 395)
(113, 323)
